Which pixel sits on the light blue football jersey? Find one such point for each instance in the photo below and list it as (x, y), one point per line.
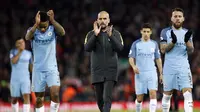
(20, 70)
(177, 58)
(44, 50)
(145, 54)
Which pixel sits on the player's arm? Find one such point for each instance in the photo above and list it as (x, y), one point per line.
(116, 41)
(158, 62)
(58, 28)
(30, 67)
(31, 31)
(159, 65)
(164, 47)
(90, 41)
(190, 47)
(31, 64)
(132, 56)
(14, 59)
(132, 63)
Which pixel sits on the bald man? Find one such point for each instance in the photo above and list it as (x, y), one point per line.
(103, 42)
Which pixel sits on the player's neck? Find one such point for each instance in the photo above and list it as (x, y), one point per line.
(176, 28)
(145, 40)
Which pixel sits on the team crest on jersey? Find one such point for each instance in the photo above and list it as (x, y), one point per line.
(49, 34)
(152, 50)
(130, 52)
(161, 38)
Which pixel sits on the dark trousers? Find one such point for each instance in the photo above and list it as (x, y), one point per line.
(103, 93)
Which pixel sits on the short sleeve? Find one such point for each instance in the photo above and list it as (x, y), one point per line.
(163, 36)
(157, 51)
(132, 52)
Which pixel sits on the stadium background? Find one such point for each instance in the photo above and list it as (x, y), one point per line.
(77, 17)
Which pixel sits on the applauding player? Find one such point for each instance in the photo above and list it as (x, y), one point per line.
(45, 70)
(176, 43)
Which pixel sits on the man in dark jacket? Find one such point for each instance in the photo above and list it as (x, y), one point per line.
(103, 42)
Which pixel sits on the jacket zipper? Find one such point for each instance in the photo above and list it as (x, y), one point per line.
(104, 53)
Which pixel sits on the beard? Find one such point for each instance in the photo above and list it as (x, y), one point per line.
(177, 26)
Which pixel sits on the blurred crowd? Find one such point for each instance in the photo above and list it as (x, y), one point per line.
(77, 17)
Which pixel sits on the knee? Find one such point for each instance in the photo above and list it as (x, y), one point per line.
(152, 95)
(107, 98)
(39, 100)
(139, 98)
(14, 100)
(55, 95)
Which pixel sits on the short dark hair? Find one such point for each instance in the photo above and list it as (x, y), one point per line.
(43, 16)
(146, 25)
(18, 38)
(178, 9)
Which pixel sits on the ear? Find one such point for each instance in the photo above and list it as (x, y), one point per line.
(171, 18)
(150, 32)
(183, 19)
(141, 31)
(109, 20)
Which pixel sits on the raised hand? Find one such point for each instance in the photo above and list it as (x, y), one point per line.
(174, 38)
(37, 18)
(50, 13)
(109, 30)
(188, 36)
(96, 28)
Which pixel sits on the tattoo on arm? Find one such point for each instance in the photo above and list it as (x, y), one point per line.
(30, 33)
(59, 29)
(166, 47)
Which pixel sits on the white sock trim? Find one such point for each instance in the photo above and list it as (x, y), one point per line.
(188, 102)
(26, 107)
(41, 109)
(153, 105)
(15, 107)
(54, 106)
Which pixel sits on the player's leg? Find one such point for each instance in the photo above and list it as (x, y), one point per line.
(38, 86)
(55, 100)
(15, 94)
(26, 103)
(98, 87)
(166, 100)
(53, 81)
(168, 86)
(153, 101)
(138, 102)
(185, 83)
(107, 95)
(152, 87)
(14, 104)
(39, 101)
(141, 89)
(188, 100)
(26, 90)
